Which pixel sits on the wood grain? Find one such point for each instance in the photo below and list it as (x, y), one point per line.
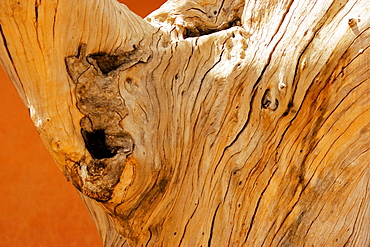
(218, 123)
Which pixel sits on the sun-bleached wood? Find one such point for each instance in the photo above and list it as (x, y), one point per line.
(209, 123)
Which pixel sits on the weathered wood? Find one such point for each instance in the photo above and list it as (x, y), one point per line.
(222, 123)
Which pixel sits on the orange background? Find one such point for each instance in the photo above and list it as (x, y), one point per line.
(38, 206)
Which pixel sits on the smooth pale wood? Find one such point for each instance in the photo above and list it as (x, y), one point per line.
(250, 120)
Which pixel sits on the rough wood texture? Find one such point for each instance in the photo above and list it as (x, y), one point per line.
(210, 123)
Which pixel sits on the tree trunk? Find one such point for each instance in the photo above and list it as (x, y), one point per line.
(218, 123)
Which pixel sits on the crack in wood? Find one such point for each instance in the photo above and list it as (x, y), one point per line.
(37, 4)
(187, 223)
(212, 226)
(257, 206)
(6, 45)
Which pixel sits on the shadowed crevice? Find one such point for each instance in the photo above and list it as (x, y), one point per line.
(95, 143)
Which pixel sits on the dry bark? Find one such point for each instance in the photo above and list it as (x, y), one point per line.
(218, 123)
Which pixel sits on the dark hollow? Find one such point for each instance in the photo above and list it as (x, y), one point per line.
(109, 62)
(96, 144)
(106, 62)
(200, 30)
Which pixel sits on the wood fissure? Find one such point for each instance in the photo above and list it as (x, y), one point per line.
(5, 43)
